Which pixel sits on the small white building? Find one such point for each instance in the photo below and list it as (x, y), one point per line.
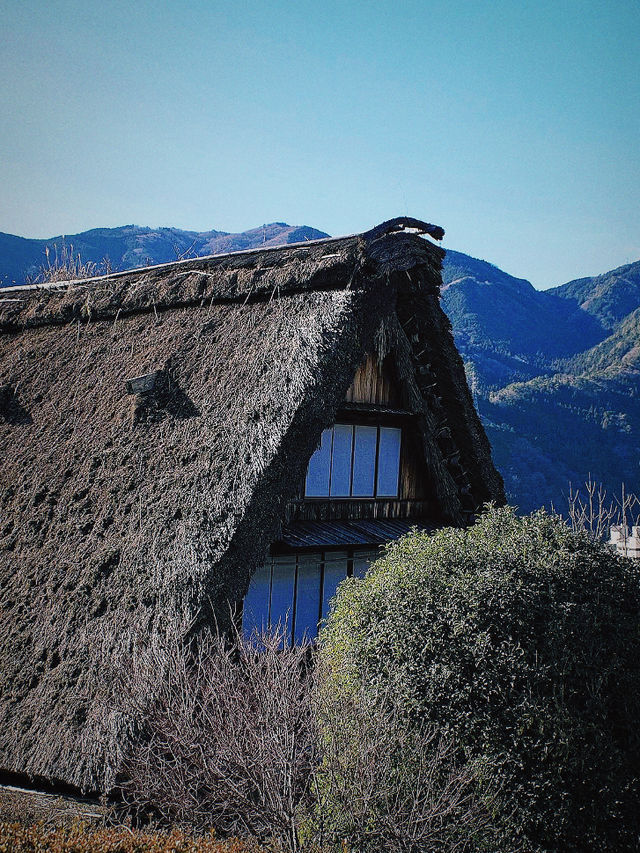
(626, 540)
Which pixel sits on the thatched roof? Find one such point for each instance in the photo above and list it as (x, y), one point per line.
(127, 511)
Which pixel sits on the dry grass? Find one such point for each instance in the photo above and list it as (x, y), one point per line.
(64, 265)
(83, 838)
(18, 805)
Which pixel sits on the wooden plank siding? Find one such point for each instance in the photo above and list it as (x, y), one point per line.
(373, 385)
(413, 475)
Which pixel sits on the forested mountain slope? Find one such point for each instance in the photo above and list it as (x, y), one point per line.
(609, 297)
(506, 328)
(555, 375)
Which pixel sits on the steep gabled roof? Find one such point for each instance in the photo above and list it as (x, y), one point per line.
(126, 512)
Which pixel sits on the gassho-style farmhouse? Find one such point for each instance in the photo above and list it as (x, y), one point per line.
(206, 442)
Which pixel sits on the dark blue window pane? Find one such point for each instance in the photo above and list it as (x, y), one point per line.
(364, 461)
(282, 582)
(361, 562)
(335, 570)
(255, 613)
(341, 461)
(317, 485)
(388, 462)
(307, 598)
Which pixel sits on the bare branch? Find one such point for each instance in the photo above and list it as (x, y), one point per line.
(592, 511)
(227, 736)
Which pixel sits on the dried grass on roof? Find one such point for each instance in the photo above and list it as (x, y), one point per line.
(121, 512)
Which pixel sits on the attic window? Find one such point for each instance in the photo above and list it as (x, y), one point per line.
(357, 461)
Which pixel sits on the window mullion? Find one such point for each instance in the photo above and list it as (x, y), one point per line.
(270, 591)
(322, 553)
(375, 472)
(353, 456)
(331, 462)
(295, 601)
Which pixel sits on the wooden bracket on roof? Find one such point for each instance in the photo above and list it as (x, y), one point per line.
(403, 223)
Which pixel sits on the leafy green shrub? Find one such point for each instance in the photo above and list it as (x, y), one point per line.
(385, 783)
(519, 640)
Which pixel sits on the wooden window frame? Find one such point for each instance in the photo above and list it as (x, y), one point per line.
(325, 557)
(374, 497)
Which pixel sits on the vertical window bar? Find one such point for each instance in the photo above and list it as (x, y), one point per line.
(322, 553)
(270, 591)
(353, 453)
(375, 472)
(295, 602)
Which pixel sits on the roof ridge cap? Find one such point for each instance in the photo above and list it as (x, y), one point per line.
(388, 227)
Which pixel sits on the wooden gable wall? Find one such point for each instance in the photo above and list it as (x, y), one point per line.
(375, 397)
(374, 384)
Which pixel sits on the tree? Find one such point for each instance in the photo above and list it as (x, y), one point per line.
(387, 783)
(519, 640)
(592, 510)
(225, 734)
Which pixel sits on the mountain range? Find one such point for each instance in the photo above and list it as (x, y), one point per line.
(555, 374)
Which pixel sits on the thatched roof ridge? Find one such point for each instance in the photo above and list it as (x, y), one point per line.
(233, 277)
(123, 512)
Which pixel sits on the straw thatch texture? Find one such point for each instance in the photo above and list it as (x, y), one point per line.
(223, 278)
(123, 513)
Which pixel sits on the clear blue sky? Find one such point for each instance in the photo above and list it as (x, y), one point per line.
(514, 125)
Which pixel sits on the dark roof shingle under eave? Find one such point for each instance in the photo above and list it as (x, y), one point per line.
(326, 534)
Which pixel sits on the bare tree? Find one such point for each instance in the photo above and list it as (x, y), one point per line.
(235, 735)
(226, 737)
(591, 510)
(183, 254)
